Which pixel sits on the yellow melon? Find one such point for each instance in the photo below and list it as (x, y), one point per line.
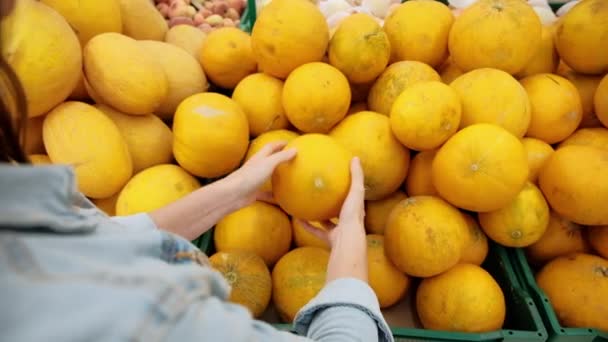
(378, 211)
(586, 86)
(304, 238)
(546, 59)
(419, 180)
(387, 281)
(314, 184)
(241, 230)
(297, 278)
(184, 75)
(577, 286)
(464, 299)
(187, 37)
(124, 75)
(418, 31)
(538, 153)
(210, 134)
(521, 222)
(227, 57)
(44, 52)
(39, 159)
(360, 48)
(476, 249)
(78, 134)
(501, 34)
(142, 21)
(264, 113)
(148, 138)
(33, 135)
(316, 96)
(556, 107)
(575, 184)
(154, 188)
(107, 205)
(600, 101)
(91, 92)
(595, 137)
(493, 96)
(395, 79)
(449, 71)
(425, 236)
(481, 156)
(581, 36)
(561, 237)
(89, 18)
(287, 34)
(384, 160)
(266, 138)
(425, 115)
(598, 239)
(248, 277)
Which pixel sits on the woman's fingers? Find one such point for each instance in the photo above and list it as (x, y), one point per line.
(269, 149)
(265, 196)
(354, 202)
(281, 157)
(327, 225)
(321, 234)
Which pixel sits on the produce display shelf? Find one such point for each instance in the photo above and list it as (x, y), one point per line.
(523, 322)
(557, 333)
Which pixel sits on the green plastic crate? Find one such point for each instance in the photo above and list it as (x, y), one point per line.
(557, 333)
(523, 322)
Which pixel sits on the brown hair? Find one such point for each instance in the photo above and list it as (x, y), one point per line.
(13, 116)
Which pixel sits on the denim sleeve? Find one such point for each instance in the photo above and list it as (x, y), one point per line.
(345, 310)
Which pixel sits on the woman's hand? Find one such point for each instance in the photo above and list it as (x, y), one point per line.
(351, 214)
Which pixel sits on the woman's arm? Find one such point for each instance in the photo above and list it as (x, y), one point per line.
(197, 212)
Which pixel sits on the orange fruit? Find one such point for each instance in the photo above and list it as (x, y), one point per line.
(575, 184)
(595, 137)
(227, 56)
(600, 101)
(419, 179)
(316, 96)
(476, 250)
(210, 135)
(418, 31)
(287, 34)
(425, 236)
(359, 48)
(598, 239)
(395, 79)
(389, 284)
(580, 34)
(368, 136)
(521, 222)
(561, 237)
(538, 152)
(313, 185)
(501, 34)
(378, 211)
(586, 86)
(481, 156)
(465, 299)
(493, 96)
(577, 286)
(304, 238)
(264, 113)
(425, 115)
(556, 107)
(241, 230)
(546, 59)
(248, 277)
(266, 138)
(297, 278)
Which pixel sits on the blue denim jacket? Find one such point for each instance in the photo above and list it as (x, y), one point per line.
(70, 273)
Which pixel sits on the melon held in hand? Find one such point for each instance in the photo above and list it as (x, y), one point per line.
(314, 184)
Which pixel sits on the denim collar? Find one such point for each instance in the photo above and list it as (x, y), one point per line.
(44, 198)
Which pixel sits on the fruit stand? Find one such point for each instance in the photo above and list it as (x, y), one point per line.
(481, 125)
